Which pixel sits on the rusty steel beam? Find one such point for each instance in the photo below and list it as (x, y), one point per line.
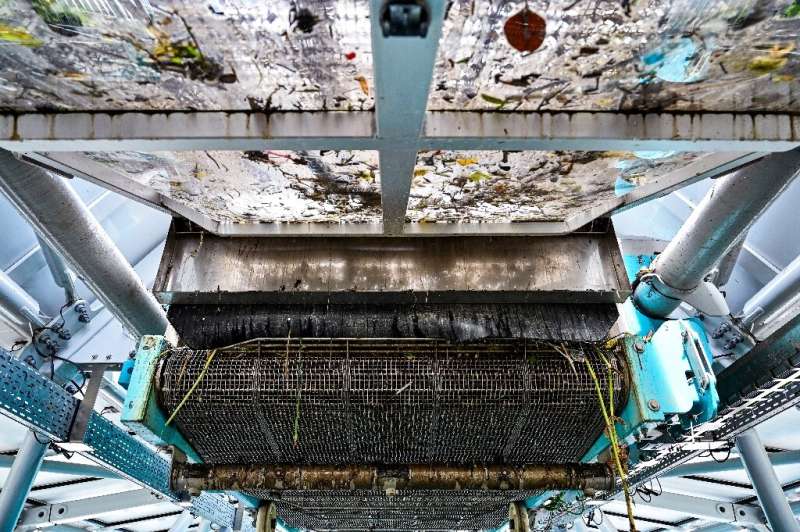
(203, 477)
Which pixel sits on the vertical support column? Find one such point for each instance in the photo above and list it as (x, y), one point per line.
(20, 479)
(765, 482)
(403, 67)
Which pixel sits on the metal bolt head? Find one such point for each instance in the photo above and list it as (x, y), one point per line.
(638, 346)
(653, 405)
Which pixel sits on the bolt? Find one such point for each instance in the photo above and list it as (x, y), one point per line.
(638, 346)
(733, 342)
(721, 331)
(83, 313)
(653, 405)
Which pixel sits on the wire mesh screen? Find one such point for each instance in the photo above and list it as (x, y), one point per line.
(315, 401)
(407, 510)
(301, 401)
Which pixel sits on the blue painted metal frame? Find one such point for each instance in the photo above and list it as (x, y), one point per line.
(142, 414)
(42, 405)
(661, 353)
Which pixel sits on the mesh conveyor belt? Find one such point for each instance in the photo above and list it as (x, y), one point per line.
(412, 510)
(387, 402)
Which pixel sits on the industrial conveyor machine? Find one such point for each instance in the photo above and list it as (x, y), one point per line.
(407, 384)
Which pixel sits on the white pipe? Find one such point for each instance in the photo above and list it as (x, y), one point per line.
(58, 214)
(773, 296)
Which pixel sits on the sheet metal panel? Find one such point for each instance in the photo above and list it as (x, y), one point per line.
(198, 267)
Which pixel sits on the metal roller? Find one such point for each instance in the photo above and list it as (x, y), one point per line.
(195, 478)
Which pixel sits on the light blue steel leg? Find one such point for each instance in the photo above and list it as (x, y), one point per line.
(765, 482)
(205, 526)
(20, 479)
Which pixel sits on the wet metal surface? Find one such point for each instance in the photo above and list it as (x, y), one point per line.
(198, 267)
(386, 401)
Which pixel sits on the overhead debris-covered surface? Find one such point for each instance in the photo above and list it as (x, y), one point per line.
(495, 186)
(268, 186)
(185, 55)
(344, 186)
(720, 55)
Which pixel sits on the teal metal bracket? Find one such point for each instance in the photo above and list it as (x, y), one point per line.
(145, 418)
(141, 412)
(670, 379)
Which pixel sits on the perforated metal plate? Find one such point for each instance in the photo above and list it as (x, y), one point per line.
(40, 404)
(33, 399)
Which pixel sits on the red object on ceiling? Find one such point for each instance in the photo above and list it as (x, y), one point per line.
(525, 31)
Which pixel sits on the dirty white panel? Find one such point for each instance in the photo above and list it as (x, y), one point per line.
(506, 186)
(185, 55)
(720, 55)
(269, 186)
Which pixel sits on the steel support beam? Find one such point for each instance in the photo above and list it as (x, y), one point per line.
(712, 467)
(81, 509)
(708, 509)
(772, 297)
(20, 479)
(65, 468)
(403, 69)
(183, 522)
(354, 130)
(765, 482)
(58, 214)
(580, 130)
(727, 212)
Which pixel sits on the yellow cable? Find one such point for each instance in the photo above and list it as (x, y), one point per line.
(191, 390)
(612, 435)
